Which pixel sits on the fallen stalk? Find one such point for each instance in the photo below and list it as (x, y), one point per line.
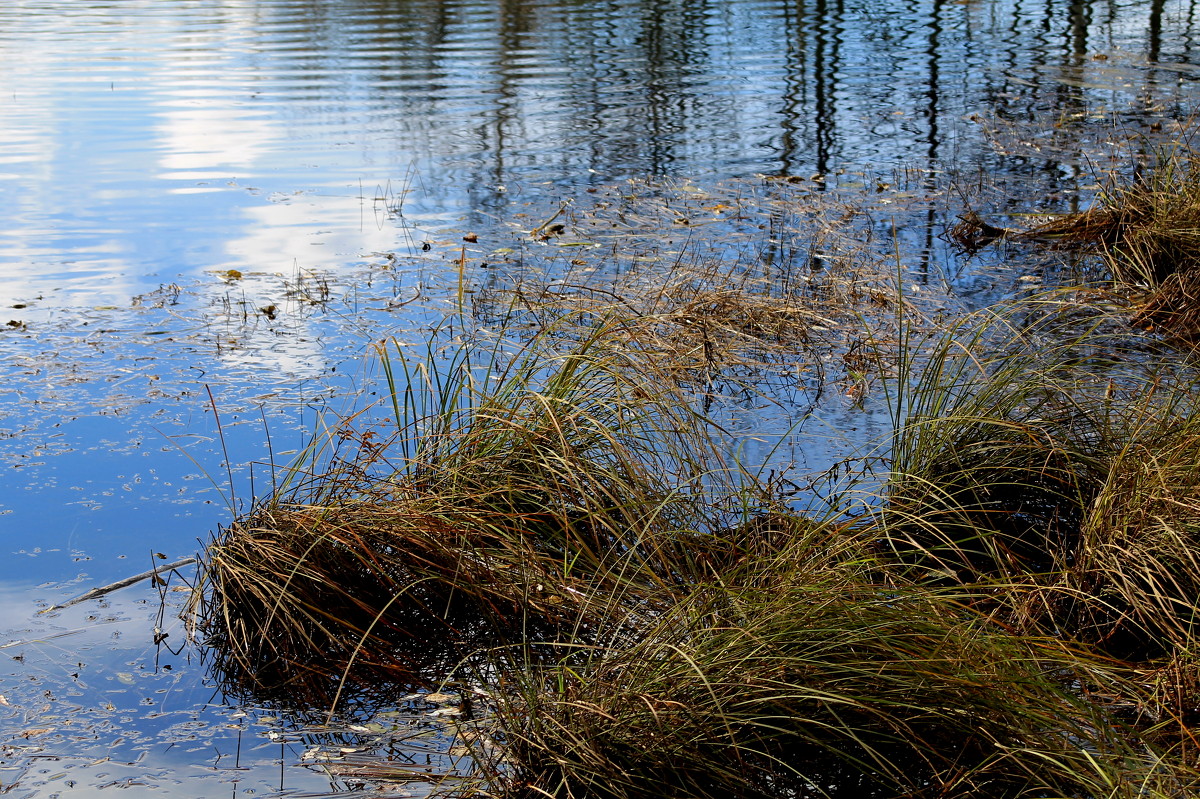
(95, 593)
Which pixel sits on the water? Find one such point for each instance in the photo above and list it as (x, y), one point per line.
(170, 170)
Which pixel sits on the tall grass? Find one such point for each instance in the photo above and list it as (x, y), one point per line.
(975, 630)
(994, 452)
(1008, 613)
(1052, 473)
(523, 491)
(819, 684)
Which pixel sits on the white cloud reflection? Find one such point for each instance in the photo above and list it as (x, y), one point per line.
(212, 141)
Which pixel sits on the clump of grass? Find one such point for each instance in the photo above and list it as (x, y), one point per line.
(1011, 615)
(818, 685)
(544, 514)
(698, 327)
(1141, 535)
(991, 461)
(549, 490)
(1146, 232)
(1151, 229)
(1064, 474)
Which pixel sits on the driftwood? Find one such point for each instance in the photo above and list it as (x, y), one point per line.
(119, 584)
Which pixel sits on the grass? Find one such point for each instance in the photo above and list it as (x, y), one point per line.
(1145, 229)
(1001, 603)
(1061, 461)
(817, 684)
(531, 492)
(745, 289)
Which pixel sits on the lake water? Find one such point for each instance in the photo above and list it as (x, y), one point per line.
(170, 170)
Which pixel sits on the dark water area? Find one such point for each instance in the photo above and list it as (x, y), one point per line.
(169, 171)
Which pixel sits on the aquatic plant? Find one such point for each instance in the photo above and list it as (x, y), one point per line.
(549, 487)
(1145, 230)
(1051, 473)
(818, 685)
(1005, 609)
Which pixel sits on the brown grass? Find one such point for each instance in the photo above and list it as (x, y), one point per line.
(1146, 232)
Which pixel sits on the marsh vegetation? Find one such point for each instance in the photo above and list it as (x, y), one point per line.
(547, 516)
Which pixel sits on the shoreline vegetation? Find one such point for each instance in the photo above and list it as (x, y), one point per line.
(550, 538)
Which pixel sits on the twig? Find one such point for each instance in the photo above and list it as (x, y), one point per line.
(119, 584)
(557, 214)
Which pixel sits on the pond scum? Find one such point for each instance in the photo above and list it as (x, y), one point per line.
(1001, 601)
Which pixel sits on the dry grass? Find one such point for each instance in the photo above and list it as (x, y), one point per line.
(1010, 617)
(738, 285)
(1146, 231)
(816, 684)
(697, 326)
(1003, 607)
(1056, 479)
(550, 492)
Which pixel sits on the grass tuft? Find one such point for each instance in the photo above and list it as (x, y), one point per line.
(547, 490)
(1146, 232)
